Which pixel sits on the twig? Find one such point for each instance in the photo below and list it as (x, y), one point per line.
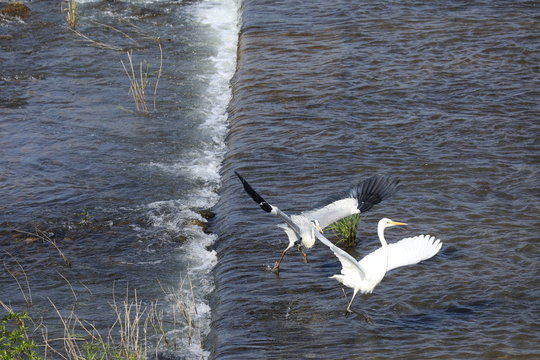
(71, 287)
(96, 43)
(119, 31)
(44, 237)
(158, 40)
(27, 299)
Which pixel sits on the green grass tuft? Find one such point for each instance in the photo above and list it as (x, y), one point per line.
(14, 341)
(345, 230)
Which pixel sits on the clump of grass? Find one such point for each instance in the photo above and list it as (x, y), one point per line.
(346, 229)
(188, 309)
(185, 312)
(138, 330)
(139, 80)
(139, 76)
(132, 318)
(126, 338)
(71, 15)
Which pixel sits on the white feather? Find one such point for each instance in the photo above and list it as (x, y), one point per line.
(333, 211)
(290, 234)
(405, 252)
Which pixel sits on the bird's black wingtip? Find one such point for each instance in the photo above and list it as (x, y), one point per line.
(254, 195)
(374, 190)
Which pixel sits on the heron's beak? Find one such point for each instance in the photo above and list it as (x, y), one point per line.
(318, 227)
(397, 223)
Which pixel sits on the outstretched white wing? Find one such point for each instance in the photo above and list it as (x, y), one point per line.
(349, 264)
(405, 252)
(359, 199)
(333, 211)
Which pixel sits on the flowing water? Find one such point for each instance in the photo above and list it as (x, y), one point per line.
(443, 95)
(117, 192)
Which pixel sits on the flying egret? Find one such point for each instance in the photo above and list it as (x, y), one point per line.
(300, 228)
(366, 274)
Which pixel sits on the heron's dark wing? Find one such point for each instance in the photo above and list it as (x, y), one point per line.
(266, 206)
(372, 191)
(254, 195)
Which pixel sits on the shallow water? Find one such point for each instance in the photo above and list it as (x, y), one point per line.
(443, 96)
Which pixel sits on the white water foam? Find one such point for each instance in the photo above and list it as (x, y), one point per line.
(127, 1)
(220, 18)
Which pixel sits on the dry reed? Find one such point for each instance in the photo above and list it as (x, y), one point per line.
(138, 82)
(71, 15)
(136, 332)
(27, 295)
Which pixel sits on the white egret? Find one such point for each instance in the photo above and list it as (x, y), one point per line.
(300, 228)
(366, 274)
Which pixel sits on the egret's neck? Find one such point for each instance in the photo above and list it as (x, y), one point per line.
(384, 247)
(380, 231)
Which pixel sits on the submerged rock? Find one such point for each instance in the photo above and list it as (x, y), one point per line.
(180, 239)
(202, 224)
(206, 213)
(148, 13)
(16, 9)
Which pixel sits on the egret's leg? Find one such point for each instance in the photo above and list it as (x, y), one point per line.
(275, 269)
(366, 317)
(348, 311)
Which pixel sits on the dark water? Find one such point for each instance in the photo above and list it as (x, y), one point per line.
(443, 95)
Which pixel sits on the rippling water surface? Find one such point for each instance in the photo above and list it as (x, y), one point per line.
(443, 95)
(117, 193)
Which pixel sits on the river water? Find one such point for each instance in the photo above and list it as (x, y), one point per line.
(442, 95)
(119, 193)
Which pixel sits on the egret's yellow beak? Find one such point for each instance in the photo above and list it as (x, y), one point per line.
(318, 227)
(397, 223)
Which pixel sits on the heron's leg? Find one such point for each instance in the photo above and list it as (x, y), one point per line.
(301, 249)
(275, 269)
(345, 294)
